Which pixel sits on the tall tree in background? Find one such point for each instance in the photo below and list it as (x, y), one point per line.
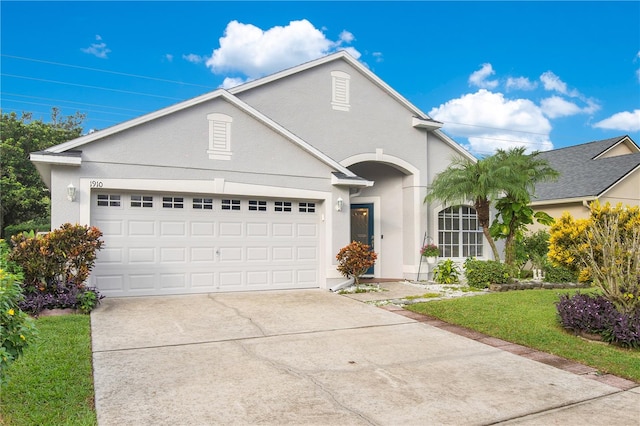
(506, 179)
(24, 197)
(467, 180)
(522, 172)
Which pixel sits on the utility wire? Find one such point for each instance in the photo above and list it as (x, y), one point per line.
(90, 87)
(106, 71)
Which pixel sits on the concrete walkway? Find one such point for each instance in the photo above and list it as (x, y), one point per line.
(313, 357)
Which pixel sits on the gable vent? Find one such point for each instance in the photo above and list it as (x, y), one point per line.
(340, 91)
(219, 136)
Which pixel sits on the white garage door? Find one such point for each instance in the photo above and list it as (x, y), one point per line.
(176, 244)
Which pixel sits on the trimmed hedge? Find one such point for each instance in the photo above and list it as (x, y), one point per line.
(482, 273)
(31, 225)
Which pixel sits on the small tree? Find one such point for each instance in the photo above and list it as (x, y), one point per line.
(355, 259)
(607, 245)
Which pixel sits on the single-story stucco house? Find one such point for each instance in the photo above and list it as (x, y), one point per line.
(258, 187)
(606, 170)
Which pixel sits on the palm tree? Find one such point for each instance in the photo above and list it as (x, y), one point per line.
(520, 172)
(467, 180)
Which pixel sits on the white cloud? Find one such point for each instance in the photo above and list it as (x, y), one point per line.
(520, 83)
(378, 56)
(479, 78)
(193, 58)
(230, 82)
(346, 37)
(552, 82)
(99, 50)
(169, 57)
(253, 52)
(625, 121)
(491, 121)
(638, 70)
(555, 107)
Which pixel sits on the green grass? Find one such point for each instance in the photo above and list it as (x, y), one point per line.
(52, 384)
(528, 318)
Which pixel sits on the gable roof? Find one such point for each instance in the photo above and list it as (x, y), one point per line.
(584, 174)
(421, 116)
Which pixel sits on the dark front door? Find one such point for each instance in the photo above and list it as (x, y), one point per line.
(362, 226)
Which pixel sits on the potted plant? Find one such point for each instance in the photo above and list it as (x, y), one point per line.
(431, 252)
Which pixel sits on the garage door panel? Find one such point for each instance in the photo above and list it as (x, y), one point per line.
(202, 254)
(282, 230)
(139, 282)
(257, 229)
(172, 229)
(141, 255)
(203, 229)
(231, 229)
(110, 283)
(110, 227)
(173, 254)
(142, 228)
(176, 251)
(257, 254)
(173, 281)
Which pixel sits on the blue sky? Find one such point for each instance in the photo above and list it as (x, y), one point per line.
(497, 74)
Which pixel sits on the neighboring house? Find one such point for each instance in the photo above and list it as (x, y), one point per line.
(258, 187)
(606, 170)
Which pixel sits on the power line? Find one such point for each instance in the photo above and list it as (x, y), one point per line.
(72, 102)
(64, 106)
(90, 87)
(106, 71)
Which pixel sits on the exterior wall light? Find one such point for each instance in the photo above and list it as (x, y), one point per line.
(339, 204)
(71, 192)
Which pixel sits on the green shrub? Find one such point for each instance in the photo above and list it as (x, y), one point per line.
(355, 259)
(481, 273)
(559, 274)
(17, 329)
(446, 272)
(36, 225)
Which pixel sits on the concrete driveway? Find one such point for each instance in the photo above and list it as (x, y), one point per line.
(314, 357)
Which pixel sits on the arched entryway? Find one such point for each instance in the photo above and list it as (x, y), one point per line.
(389, 211)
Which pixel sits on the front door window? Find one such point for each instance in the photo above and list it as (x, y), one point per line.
(362, 226)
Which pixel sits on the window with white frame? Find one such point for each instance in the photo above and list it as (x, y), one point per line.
(459, 233)
(282, 206)
(173, 202)
(145, 201)
(307, 207)
(228, 204)
(219, 136)
(109, 200)
(202, 204)
(257, 206)
(340, 91)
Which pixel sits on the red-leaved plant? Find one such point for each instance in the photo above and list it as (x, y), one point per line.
(355, 259)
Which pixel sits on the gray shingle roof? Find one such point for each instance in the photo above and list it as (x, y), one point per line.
(580, 174)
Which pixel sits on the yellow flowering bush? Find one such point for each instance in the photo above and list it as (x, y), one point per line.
(604, 248)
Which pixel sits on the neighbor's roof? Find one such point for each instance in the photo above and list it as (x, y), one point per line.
(584, 173)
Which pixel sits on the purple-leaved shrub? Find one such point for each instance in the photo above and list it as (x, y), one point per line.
(597, 315)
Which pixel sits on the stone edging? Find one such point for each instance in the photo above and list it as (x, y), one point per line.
(530, 285)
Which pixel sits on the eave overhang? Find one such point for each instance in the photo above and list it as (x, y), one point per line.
(423, 123)
(341, 179)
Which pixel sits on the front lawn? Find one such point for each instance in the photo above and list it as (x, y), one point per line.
(528, 317)
(52, 384)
